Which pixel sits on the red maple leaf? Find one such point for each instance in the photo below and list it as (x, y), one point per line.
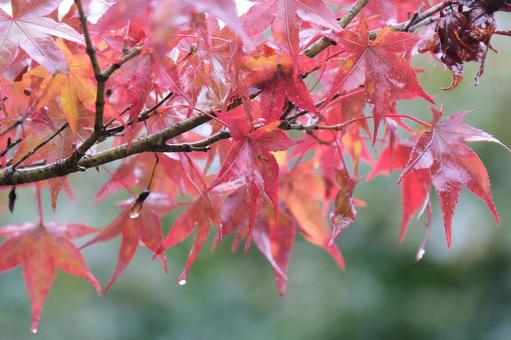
(138, 222)
(41, 249)
(393, 11)
(275, 238)
(273, 74)
(283, 16)
(249, 163)
(303, 192)
(450, 164)
(199, 214)
(124, 11)
(415, 186)
(343, 110)
(31, 29)
(136, 172)
(344, 212)
(380, 66)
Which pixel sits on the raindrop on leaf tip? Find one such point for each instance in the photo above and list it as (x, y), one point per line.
(420, 253)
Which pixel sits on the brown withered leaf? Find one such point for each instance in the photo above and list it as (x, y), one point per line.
(463, 34)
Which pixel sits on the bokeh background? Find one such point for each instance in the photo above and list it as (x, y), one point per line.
(457, 293)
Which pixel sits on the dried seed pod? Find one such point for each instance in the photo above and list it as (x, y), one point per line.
(463, 34)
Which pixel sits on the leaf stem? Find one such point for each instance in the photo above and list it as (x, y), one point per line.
(9, 146)
(39, 203)
(417, 120)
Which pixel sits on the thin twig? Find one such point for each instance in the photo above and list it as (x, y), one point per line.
(414, 18)
(9, 146)
(125, 58)
(40, 145)
(14, 125)
(141, 117)
(285, 125)
(404, 26)
(340, 95)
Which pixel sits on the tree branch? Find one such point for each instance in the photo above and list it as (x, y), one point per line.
(14, 125)
(79, 161)
(419, 18)
(156, 142)
(101, 79)
(323, 43)
(355, 9)
(9, 146)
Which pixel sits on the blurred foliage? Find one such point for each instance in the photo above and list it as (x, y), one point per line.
(457, 293)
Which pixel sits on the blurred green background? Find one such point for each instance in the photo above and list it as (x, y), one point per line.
(458, 293)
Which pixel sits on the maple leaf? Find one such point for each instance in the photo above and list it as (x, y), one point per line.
(450, 164)
(415, 186)
(138, 222)
(379, 66)
(393, 11)
(353, 139)
(30, 29)
(36, 131)
(275, 238)
(131, 85)
(224, 10)
(75, 86)
(344, 212)
(41, 249)
(137, 172)
(302, 191)
(130, 10)
(273, 74)
(44, 123)
(250, 163)
(198, 215)
(282, 15)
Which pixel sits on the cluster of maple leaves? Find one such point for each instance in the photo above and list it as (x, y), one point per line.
(256, 77)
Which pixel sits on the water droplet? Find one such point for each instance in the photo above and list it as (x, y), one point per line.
(182, 282)
(420, 253)
(137, 206)
(34, 330)
(134, 214)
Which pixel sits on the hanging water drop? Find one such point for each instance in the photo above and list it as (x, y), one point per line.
(420, 253)
(34, 330)
(134, 214)
(422, 248)
(181, 282)
(137, 206)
